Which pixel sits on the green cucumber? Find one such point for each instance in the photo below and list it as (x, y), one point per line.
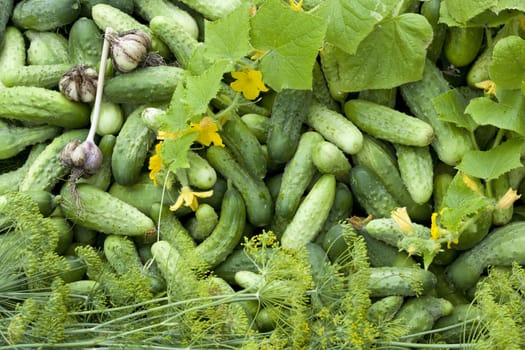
(85, 43)
(46, 47)
(42, 106)
(499, 187)
(170, 229)
(96, 209)
(450, 142)
(335, 128)
(430, 10)
(329, 159)
(405, 281)
(5, 15)
(320, 89)
(110, 118)
(257, 198)
(47, 170)
(12, 51)
(43, 75)
(311, 214)
(10, 181)
(227, 233)
(126, 6)
(330, 68)
(384, 308)
(213, 9)
(143, 85)
(258, 124)
(45, 15)
(341, 209)
(202, 224)
(149, 9)
(200, 173)
(289, 111)
(462, 44)
(103, 177)
(14, 139)
(133, 143)
(417, 171)
(384, 97)
(297, 174)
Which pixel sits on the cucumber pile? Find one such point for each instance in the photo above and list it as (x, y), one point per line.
(326, 217)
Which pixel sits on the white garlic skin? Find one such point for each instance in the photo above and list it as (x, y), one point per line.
(129, 49)
(79, 84)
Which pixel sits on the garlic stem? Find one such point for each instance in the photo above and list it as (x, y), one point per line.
(100, 86)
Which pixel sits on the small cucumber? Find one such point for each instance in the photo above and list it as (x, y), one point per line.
(417, 171)
(5, 15)
(462, 44)
(335, 128)
(289, 111)
(46, 48)
(499, 187)
(131, 148)
(320, 89)
(330, 68)
(42, 106)
(200, 173)
(110, 118)
(341, 209)
(227, 233)
(42, 75)
(388, 124)
(258, 124)
(311, 213)
(329, 159)
(430, 10)
(257, 198)
(85, 43)
(405, 281)
(10, 181)
(202, 224)
(45, 15)
(213, 10)
(170, 229)
(14, 139)
(12, 51)
(96, 209)
(47, 169)
(148, 9)
(384, 308)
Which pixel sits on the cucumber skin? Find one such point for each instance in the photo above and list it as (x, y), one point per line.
(462, 45)
(42, 76)
(85, 43)
(45, 15)
(228, 232)
(406, 281)
(289, 111)
(5, 14)
(46, 48)
(311, 213)
(103, 212)
(256, 195)
(417, 171)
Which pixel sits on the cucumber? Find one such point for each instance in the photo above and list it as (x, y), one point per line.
(341, 209)
(430, 10)
(133, 143)
(148, 9)
(384, 308)
(213, 10)
(200, 173)
(329, 159)
(330, 68)
(7, 10)
(228, 232)
(47, 170)
(405, 281)
(258, 124)
(311, 213)
(9, 181)
(143, 85)
(42, 76)
(320, 89)
(450, 141)
(335, 128)
(384, 97)
(297, 174)
(257, 198)
(85, 43)
(417, 171)
(96, 209)
(202, 224)
(110, 118)
(12, 51)
(14, 139)
(126, 6)
(170, 229)
(499, 187)
(370, 192)
(103, 177)
(388, 124)
(42, 106)
(289, 111)
(462, 44)
(46, 47)
(45, 15)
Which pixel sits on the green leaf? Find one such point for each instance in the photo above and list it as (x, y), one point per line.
(507, 68)
(450, 107)
(292, 40)
(349, 22)
(506, 113)
(464, 10)
(174, 151)
(494, 162)
(393, 54)
(228, 38)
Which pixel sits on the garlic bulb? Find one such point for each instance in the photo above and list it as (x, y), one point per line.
(85, 157)
(129, 49)
(79, 84)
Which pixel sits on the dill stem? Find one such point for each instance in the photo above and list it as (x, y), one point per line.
(427, 346)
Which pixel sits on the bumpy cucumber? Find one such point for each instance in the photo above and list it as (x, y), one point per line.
(43, 75)
(450, 142)
(148, 9)
(44, 106)
(385, 308)
(202, 224)
(200, 173)
(143, 85)
(311, 213)
(430, 10)
(12, 50)
(170, 229)
(258, 124)
(46, 48)
(320, 89)
(85, 43)
(96, 209)
(502, 246)
(228, 232)
(126, 6)
(14, 139)
(499, 187)
(417, 171)
(341, 209)
(406, 281)
(7, 9)
(259, 204)
(297, 174)
(329, 159)
(110, 119)
(335, 127)
(47, 170)
(289, 111)
(10, 181)
(244, 146)
(213, 10)
(45, 15)
(388, 124)
(330, 68)
(466, 317)
(131, 148)
(370, 192)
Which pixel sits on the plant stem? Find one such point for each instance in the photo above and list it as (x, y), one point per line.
(100, 86)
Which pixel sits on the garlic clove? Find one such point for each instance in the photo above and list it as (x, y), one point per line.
(79, 84)
(129, 49)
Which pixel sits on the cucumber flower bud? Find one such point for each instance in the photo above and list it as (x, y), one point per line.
(85, 157)
(129, 49)
(79, 84)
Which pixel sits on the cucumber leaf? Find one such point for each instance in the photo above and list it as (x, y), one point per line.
(393, 54)
(450, 107)
(174, 151)
(491, 16)
(508, 112)
(350, 22)
(492, 163)
(507, 68)
(291, 40)
(464, 10)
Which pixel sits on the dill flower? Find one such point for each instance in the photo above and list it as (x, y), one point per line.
(249, 82)
(188, 197)
(155, 163)
(208, 132)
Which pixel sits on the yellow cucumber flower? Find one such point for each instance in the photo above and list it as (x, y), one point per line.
(488, 86)
(400, 216)
(208, 132)
(188, 197)
(435, 232)
(297, 6)
(249, 82)
(508, 199)
(155, 163)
